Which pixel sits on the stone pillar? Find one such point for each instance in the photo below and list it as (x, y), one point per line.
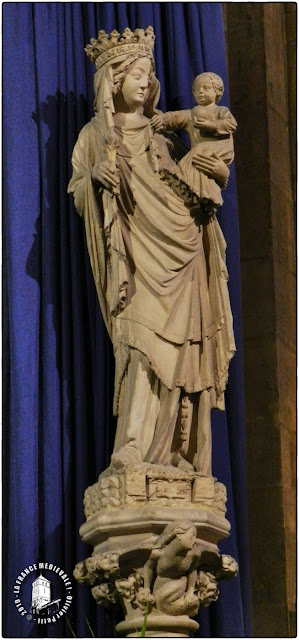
(260, 59)
(154, 531)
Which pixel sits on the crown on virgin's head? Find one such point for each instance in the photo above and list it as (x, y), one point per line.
(105, 48)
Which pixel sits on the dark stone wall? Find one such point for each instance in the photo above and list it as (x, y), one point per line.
(261, 52)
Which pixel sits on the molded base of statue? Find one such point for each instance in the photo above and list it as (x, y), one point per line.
(158, 626)
(155, 531)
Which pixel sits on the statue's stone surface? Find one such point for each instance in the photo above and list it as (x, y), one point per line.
(155, 516)
(167, 575)
(148, 485)
(157, 253)
(144, 557)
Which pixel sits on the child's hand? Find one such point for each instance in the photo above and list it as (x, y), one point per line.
(158, 122)
(205, 124)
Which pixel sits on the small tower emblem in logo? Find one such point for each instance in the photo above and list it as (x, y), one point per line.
(41, 603)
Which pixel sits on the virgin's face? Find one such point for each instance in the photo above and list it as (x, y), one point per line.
(135, 86)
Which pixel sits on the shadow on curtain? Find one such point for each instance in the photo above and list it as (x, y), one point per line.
(57, 359)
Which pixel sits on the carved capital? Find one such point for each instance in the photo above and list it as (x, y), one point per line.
(171, 575)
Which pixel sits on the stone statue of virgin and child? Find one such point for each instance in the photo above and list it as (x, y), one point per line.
(157, 252)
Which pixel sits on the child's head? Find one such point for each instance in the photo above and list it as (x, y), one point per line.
(207, 88)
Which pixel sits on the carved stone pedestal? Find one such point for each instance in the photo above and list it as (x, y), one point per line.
(155, 531)
(158, 626)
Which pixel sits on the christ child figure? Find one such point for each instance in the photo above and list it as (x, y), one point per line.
(210, 128)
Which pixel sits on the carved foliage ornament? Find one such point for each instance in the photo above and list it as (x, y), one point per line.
(102, 572)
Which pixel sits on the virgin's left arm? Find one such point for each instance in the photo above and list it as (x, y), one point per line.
(213, 167)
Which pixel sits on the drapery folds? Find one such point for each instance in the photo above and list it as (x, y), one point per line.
(58, 427)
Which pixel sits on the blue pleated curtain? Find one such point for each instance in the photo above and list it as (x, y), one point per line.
(58, 427)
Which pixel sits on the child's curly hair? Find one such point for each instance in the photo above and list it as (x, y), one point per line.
(217, 83)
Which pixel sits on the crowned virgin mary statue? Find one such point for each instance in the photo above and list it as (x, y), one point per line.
(159, 268)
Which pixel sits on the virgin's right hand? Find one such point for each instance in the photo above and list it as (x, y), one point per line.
(106, 174)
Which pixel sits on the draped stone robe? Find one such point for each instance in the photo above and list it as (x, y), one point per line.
(161, 280)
